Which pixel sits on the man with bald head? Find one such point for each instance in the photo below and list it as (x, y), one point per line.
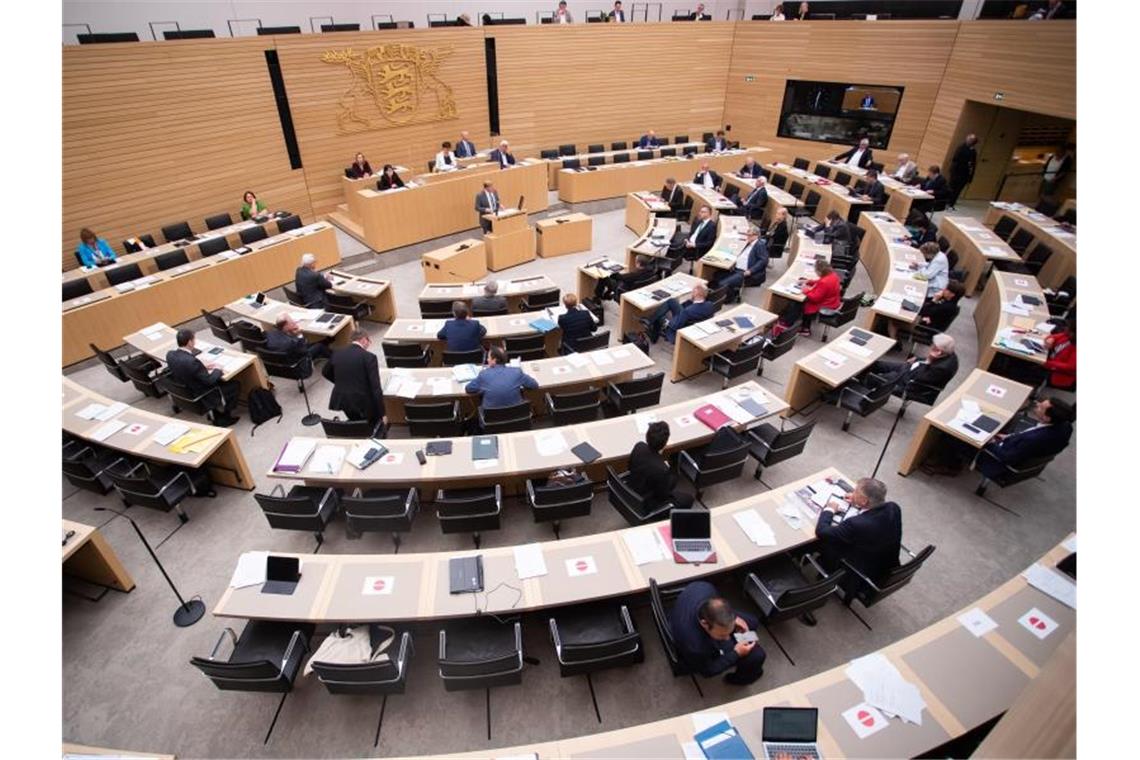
(679, 315)
(706, 177)
(648, 141)
(286, 338)
(465, 148)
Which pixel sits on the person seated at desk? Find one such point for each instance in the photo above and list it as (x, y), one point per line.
(617, 15)
(93, 251)
(937, 269)
(778, 13)
(703, 627)
(935, 371)
(707, 177)
(835, 228)
(576, 323)
(188, 370)
(462, 333)
(751, 168)
(251, 207)
(311, 284)
(1048, 437)
(490, 300)
(671, 194)
(354, 372)
(935, 183)
(702, 235)
(923, 230)
(822, 292)
(650, 475)
(487, 202)
(751, 266)
(1061, 359)
(502, 155)
(861, 155)
(940, 310)
(465, 148)
(501, 384)
(718, 143)
(648, 141)
(697, 309)
(463, 19)
(389, 179)
(562, 14)
(870, 539)
(359, 169)
(801, 13)
(756, 201)
(873, 189)
(614, 285)
(906, 171)
(445, 159)
(287, 338)
(776, 236)
(699, 14)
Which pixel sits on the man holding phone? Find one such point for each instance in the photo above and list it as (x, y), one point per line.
(711, 637)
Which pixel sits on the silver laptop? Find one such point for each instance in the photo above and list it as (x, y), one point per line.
(691, 531)
(790, 731)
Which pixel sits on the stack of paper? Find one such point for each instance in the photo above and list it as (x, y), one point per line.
(885, 688)
(755, 527)
(601, 358)
(294, 455)
(154, 332)
(409, 389)
(734, 411)
(529, 562)
(90, 412)
(108, 429)
(440, 385)
(579, 360)
(327, 460)
(1054, 584)
(196, 441)
(169, 433)
(111, 411)
(250, 570)
(550, 443)
(791, 513)
(645, 546)
(464, 373)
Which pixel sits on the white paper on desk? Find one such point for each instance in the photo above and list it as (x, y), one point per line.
(970, 409)
(644, 546)
(169, 433)
(155, 331)
(735, 411)
(550, 443)
(327, 460)
(464, 373)
(887, 305)
(685, 420)
(755, 527)
(885, 688)
(433, 326)
(578, 360)
(856, 349)
(704, 720)
(409, 389)
(108, 429)
(394, 384)
(977, 622)
(484, 464)
(791, 514)
(643, 421)
(619, 353)
(1054, 584)
(1018, 311)
(529, 562)
(830, 356)
(90, 412)
(111, 411)
(440, 385)
(692, 751)
(250, 570)
(601, 358)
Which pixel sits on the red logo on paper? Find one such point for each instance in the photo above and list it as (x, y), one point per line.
(581, 565)
(866, 718)
(1037, 623)
(378, 585)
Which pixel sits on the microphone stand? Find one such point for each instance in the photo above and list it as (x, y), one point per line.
(188, 613)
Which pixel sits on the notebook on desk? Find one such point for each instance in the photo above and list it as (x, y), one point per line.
(712, 416)
(484, 447)
(465, 574)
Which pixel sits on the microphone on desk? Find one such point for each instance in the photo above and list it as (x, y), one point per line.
(188, 612)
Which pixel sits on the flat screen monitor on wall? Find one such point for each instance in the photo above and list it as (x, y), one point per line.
(835, 112)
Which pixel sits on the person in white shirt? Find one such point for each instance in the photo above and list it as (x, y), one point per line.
(778, 13)
(907, 170)
(860, 156)
(707, 177)
(445, 159)
(617, 15)
(700, 15)
(562, 15)
(937, 269)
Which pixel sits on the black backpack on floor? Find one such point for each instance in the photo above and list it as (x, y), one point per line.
(263, 407)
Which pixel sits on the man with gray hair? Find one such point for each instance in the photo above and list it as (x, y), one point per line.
(907, 170)
(490, 300)
(311, 284)
(915, 374)
(869, 536)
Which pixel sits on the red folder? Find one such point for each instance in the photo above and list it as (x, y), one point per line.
(712, 416)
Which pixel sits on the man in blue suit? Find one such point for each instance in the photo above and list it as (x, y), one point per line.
(500, 383)
(464, 148)
(751, 266)
(576, 323)
(703, 624)
(718, 143)
(502, 155)
(461, 333)
(1048, 437)
(870, 537)
(756, 201)
(750, 168)
(695, 310)
(648, 141)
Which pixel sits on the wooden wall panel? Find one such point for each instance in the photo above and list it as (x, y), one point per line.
(596, 83)
(160, 132)
(1034, 65)
(315, 88)
(912, 54)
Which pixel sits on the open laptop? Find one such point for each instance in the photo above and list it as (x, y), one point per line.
(691, 533)
(281, 575)
(790, 731)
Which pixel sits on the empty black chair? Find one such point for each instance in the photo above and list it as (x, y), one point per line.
(657, 604)
(307, 508)
(209, 403)
(557, 502)
(455, 358)
(217, 221)
(251, 235)
(117, 367)
(717, 296)
(359, 429)
(380, 511)
(842, 178)
(808, 207)
(720, 461)
(735, 362)
(76, 288)
(596, 148)
(1004, 474)
(170, 260)
(132, 247)
(249, 335)
(541, 300)
(338, 303)
(218, 327)
(527, 348)
(680, 139)
(629, 503)
(145, 379)
(1060, 301)
(290, 223)
(469, 510)
(630, 395)
(666, 152)
(478, 312)
(784, 593)
(869, 592)
(213, 246)
(506, 419)
(434, 419)
(405, 354)
(621, 158)
(644, 155)
(796, 189)
(85, 466)
(778, 346)
(567, 150)
(549, 153)
(124, 273)
(596, 161)
(572, 408)
(1005, 227)
(1020, 240)
(435, 309)
(841, 316)
(279, 364)
(480, 653)
(589, 638)
(571, 163)
(858, 399)
(599, 340)
(769, 445)
(779, 180)
(801, 163)
(163, 488)
(176, 231)
(1036, 258)
(822, 171)
(386, 676)
(620, 145)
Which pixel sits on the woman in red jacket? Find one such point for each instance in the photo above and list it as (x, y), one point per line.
(820, 293)
(1062, 358)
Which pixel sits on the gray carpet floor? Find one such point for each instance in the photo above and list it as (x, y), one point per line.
(128, 684)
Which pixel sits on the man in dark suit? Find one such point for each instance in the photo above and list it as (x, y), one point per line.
(576, 323)
(718, 143)
(751, 168)
(836, 228)
(751, 266)
(935, 371)
(873, 189)
(465, 148)
(185, 368)
(962, 165)
(490, 300)
(861, 155)
(288, 339)
(703, 625)
(311, 284)
(1057, 167)
(617, 15)
(500, 384)
(502, 155)
(940, 310)
(702, 235)
(756, 200)
(707, 177)
(671, 194)
(648, 140)
(679, 315)
(618, 283)
(935, 183)
(699, 14)
(870, 537)
(355, 374)
(1048, 437)
(649, 473)
(487, 202)
(460, 332)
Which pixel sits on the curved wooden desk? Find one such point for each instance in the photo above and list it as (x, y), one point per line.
(721, 258)
(640, 208)
(424, 331)
(1063, 263)
(554, 165)
(831, 366)
(887, 257)
(642, 302)
(339, 327)
(377, 292)
(87, 555)
(777, 198)
(802, 253)
(659, 231)
(716, 201)
(514, 290)
(996, 326)
(695, 343)
(900, 196)
(158, 340)
(615, 180)
(832, 196)
(976, 246)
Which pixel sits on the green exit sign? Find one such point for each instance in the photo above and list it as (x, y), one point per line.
(749, 78)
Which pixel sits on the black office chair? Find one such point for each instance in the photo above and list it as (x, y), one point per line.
(356, 429)
(435, 309)
(628, 396)
(657, 604)
(213, 246)
(469, 510)
(734, 362)
(147, 240)
(76, 288)
(680, 139)
(1007, 475)
(621, 158)
(293, 297)
(555, 503)
(630, 504)
(142, 484)
(124, 273)
(85, 466)
(290, 223)
(380, 511)
(143, 364)
(801, 163)
(717, 296)
(644, 155)
(567, 150)
(209, 403)
(822, 171)
(1032, 263)
(251, 235)
(307, 508)
(720, 461)
(279, 364)
(439, 419)
(377, 676)
(1060, 301)
(541, 300)
(778, 346)
(506, 419)
(857, 586)
(170, 260)
(595, 342)
(841, 316)
(663, 266)
(548, 153)
(620, 145)
(266, 657)
(571, 163)
(575, 407)
(176, 231)
(808, 207)
(796, 189)
(857, 398)
(455, 358)
(1004, 227)
(410, 355)
(527, 348)
(596, 148)
(217, 221)
(667, 152)
(784, 593)
(219, 327)
(842, 178)
(145, 380)
(596, 161)
(590, 638)
(769, 445)
(337, 303)
(481, 654)
(251, 336)
(1020, 240)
